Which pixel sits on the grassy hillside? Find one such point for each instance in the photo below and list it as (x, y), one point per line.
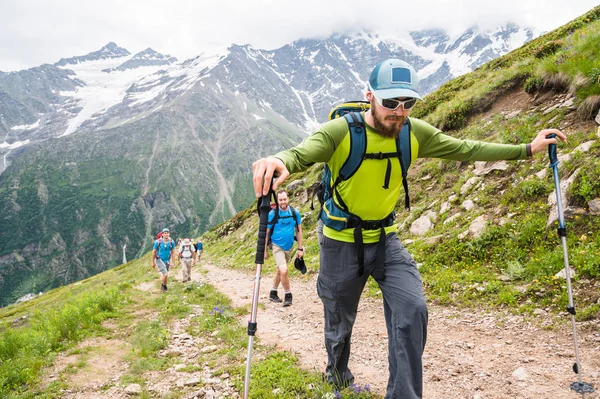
(124, 315)
(551, 82)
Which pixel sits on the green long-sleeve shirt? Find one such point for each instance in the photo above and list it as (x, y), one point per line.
(363, 193)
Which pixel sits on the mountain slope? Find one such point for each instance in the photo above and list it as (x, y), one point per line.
(137, 146)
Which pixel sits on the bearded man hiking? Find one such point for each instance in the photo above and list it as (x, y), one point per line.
(367, 244)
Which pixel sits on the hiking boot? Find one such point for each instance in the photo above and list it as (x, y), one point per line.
(287, 300)
(163, 287)
(273, 297)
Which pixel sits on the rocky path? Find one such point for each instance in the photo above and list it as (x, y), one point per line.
(469, 354)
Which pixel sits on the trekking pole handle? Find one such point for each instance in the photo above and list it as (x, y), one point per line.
(263, 213)
(552, 150)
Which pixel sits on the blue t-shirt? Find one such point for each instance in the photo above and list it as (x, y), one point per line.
(164, 249)
(198, 246)
(285, 229)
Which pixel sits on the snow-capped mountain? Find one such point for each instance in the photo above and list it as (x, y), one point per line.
(111, 50)
(298, 82)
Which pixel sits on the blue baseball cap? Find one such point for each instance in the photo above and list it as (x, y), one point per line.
(165, 230)
(394, 78)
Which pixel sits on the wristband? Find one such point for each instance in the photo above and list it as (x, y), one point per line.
(300, 249)
(528, 150)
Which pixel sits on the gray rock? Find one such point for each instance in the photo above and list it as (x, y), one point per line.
(594, 206)
(562, 273)
(520, 374)
(585, 147)
(564, 189)
(452, 218)
(482, 168)
(421, 226)
(208, 349)
(294, 185)
(192, 382)
(468, 205)
(133, 389)
(444, 208)
(469, 184)
(477, 226)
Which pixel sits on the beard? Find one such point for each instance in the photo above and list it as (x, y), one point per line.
(391, 129)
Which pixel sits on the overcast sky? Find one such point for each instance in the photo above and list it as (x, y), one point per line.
(33, 32)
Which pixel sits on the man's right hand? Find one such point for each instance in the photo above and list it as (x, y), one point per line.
(266, 254)
(263, 171)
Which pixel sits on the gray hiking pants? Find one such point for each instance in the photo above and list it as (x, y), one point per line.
(405, 310)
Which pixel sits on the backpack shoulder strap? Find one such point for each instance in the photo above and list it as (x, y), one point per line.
(294, 214)
(358, 146)
(403, 144)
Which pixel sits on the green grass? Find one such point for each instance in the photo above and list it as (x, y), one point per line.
(76, 312)
(25, 351)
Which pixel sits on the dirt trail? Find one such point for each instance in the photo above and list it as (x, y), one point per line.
(469, 354)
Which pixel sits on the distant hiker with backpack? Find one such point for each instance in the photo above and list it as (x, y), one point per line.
(359, 234)
(283, 225)
(199, 250)
(162, 256)
(187, 259)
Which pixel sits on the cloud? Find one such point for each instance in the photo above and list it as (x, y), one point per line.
(33, 32)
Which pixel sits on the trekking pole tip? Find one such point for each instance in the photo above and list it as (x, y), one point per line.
(581, 387)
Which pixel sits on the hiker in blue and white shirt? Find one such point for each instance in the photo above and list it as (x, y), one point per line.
(186, 259)
(162, 256)
(282, 232)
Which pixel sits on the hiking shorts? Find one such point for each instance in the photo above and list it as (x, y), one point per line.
(282, 258)
(163, 266)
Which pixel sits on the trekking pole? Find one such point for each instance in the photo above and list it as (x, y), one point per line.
(577, 386)
(263, 214)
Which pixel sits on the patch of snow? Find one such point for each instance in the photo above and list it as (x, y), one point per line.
(145, 96)
(102, 90)
(14, 145)
(26, 127)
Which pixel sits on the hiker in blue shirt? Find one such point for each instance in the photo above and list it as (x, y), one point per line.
(282, 228)
(199, 250)
(162, 256)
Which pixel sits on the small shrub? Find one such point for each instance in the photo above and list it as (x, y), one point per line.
(548, 48)
(532, 84)
(557, 81)
(534, 188)
(515, 270)
(589, 107)
(587, 184)
(594, 75)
